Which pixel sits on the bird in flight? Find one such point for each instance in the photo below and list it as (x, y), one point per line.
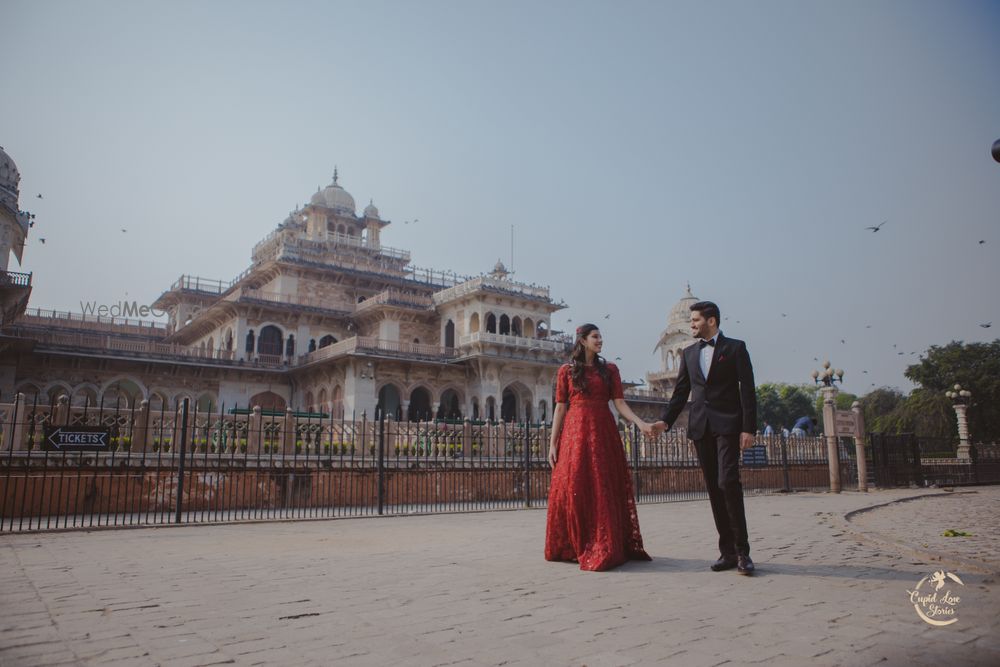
(843, 341)
(607, 317)
(868, 326)
(42, 240)
(618, 358)
(865, 372)
(39, 196)
(414, 221)
(986, 325)
(982, 242)
(784, 315)
(124, 230)
(877, 227)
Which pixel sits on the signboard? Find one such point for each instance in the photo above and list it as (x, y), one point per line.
(845, 423)
(77, 438)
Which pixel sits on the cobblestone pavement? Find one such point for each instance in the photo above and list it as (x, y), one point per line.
(473, 589)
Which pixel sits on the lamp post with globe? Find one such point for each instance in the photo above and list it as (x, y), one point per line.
(960, 400)
(827, 379)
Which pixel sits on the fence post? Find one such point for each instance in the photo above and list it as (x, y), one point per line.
(288, 439)
(380, 462)
(636, 479)
(255, 437)
(180, 464)
(859, 446)
(140, 429)
(527, 467)
(785, 469)
(830, 431)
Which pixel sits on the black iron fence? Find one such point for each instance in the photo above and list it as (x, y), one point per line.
(65, 466)
(909, 460)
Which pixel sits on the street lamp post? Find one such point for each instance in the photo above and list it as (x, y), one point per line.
(960, 399)
(827, 379)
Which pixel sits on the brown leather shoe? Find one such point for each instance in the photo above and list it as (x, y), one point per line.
(744, 565)
(724, 563)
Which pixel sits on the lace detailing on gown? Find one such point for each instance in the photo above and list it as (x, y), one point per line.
(591, 515)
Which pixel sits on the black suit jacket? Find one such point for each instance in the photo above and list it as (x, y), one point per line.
(726, 400)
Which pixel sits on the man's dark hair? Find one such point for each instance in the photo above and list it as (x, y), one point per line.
(707, 310)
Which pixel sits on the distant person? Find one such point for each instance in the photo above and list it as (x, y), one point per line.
(719, 377)
(591, 517)
(768, 429)
(802, 427)
(784, 432)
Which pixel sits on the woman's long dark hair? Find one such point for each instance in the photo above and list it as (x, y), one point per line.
(578, 359)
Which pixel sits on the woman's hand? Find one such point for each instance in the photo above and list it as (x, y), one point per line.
(552, 454)
(646, 429)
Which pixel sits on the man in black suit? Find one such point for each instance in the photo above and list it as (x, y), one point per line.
(717, 374)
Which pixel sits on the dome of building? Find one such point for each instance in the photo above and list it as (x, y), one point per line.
(680, 314)
(370, 210)
(335, 197)
(10, 177)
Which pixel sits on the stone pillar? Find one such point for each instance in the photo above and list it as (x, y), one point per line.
(17, 425)
(859, 446)
(467, 439)
(434, 411)
(963, 432)
(830, 431)
(288, 433)
(255, 431)
(140, 428)
(60, 417)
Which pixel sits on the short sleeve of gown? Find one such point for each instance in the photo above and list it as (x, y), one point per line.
(562, 385)
(616, 382)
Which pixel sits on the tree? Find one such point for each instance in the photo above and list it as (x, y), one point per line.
(976, 366)
(877, 405)
(780, 404)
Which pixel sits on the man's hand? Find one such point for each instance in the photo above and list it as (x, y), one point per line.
(659, 427)
(746, 441)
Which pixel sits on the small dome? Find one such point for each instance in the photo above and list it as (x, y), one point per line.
(10, 177)
(680, 314)
(335, 197)
(370, 210)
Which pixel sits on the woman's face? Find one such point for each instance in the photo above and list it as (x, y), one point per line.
(593, 341)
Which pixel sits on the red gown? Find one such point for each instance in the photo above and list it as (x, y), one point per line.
(591, 515)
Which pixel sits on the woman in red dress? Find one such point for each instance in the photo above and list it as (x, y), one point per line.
(591, 516)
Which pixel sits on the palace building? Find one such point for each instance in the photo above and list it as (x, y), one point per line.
(325, 320)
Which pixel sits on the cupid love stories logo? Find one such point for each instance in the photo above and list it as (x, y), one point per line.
(933, 605)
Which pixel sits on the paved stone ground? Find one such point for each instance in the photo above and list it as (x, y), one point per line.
(473, 589)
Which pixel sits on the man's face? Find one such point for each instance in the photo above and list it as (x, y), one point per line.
(700, 327)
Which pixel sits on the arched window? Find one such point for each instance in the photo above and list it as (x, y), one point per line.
(270, 341)
(290, 346)
(449, 334)
(542, 330)
(515, 326)
(250, 345)
(474, 323)
(504, 325)
(327, 340)
(529, 327)
(491, 323)
(420, 405)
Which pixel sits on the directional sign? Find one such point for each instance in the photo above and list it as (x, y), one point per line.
(78, 438)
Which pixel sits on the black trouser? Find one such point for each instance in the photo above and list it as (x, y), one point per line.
(719, 456)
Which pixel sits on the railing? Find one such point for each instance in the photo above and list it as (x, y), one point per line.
(520, 342)
(145, 466)
(656, 376)
(492, 284)
(278, 298)
(15, 279)
(364, 344)
(394, 297)
(647, 394)
(105, 323)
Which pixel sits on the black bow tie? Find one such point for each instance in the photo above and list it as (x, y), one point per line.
(703, 343)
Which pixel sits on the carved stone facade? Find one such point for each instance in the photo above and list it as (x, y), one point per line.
(325, 319)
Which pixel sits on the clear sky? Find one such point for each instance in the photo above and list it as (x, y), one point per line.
(634, 146)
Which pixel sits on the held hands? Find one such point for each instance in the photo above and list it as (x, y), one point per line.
(652, 430)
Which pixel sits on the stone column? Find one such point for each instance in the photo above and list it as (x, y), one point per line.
(830, 431)
(17, 425)
(140, 428)
(963, 432)
(255, 431)
(859, 446)
(288, 433)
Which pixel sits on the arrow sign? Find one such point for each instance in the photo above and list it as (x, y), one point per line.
(78, 438)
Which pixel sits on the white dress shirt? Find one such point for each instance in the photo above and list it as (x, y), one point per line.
(706, 355)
